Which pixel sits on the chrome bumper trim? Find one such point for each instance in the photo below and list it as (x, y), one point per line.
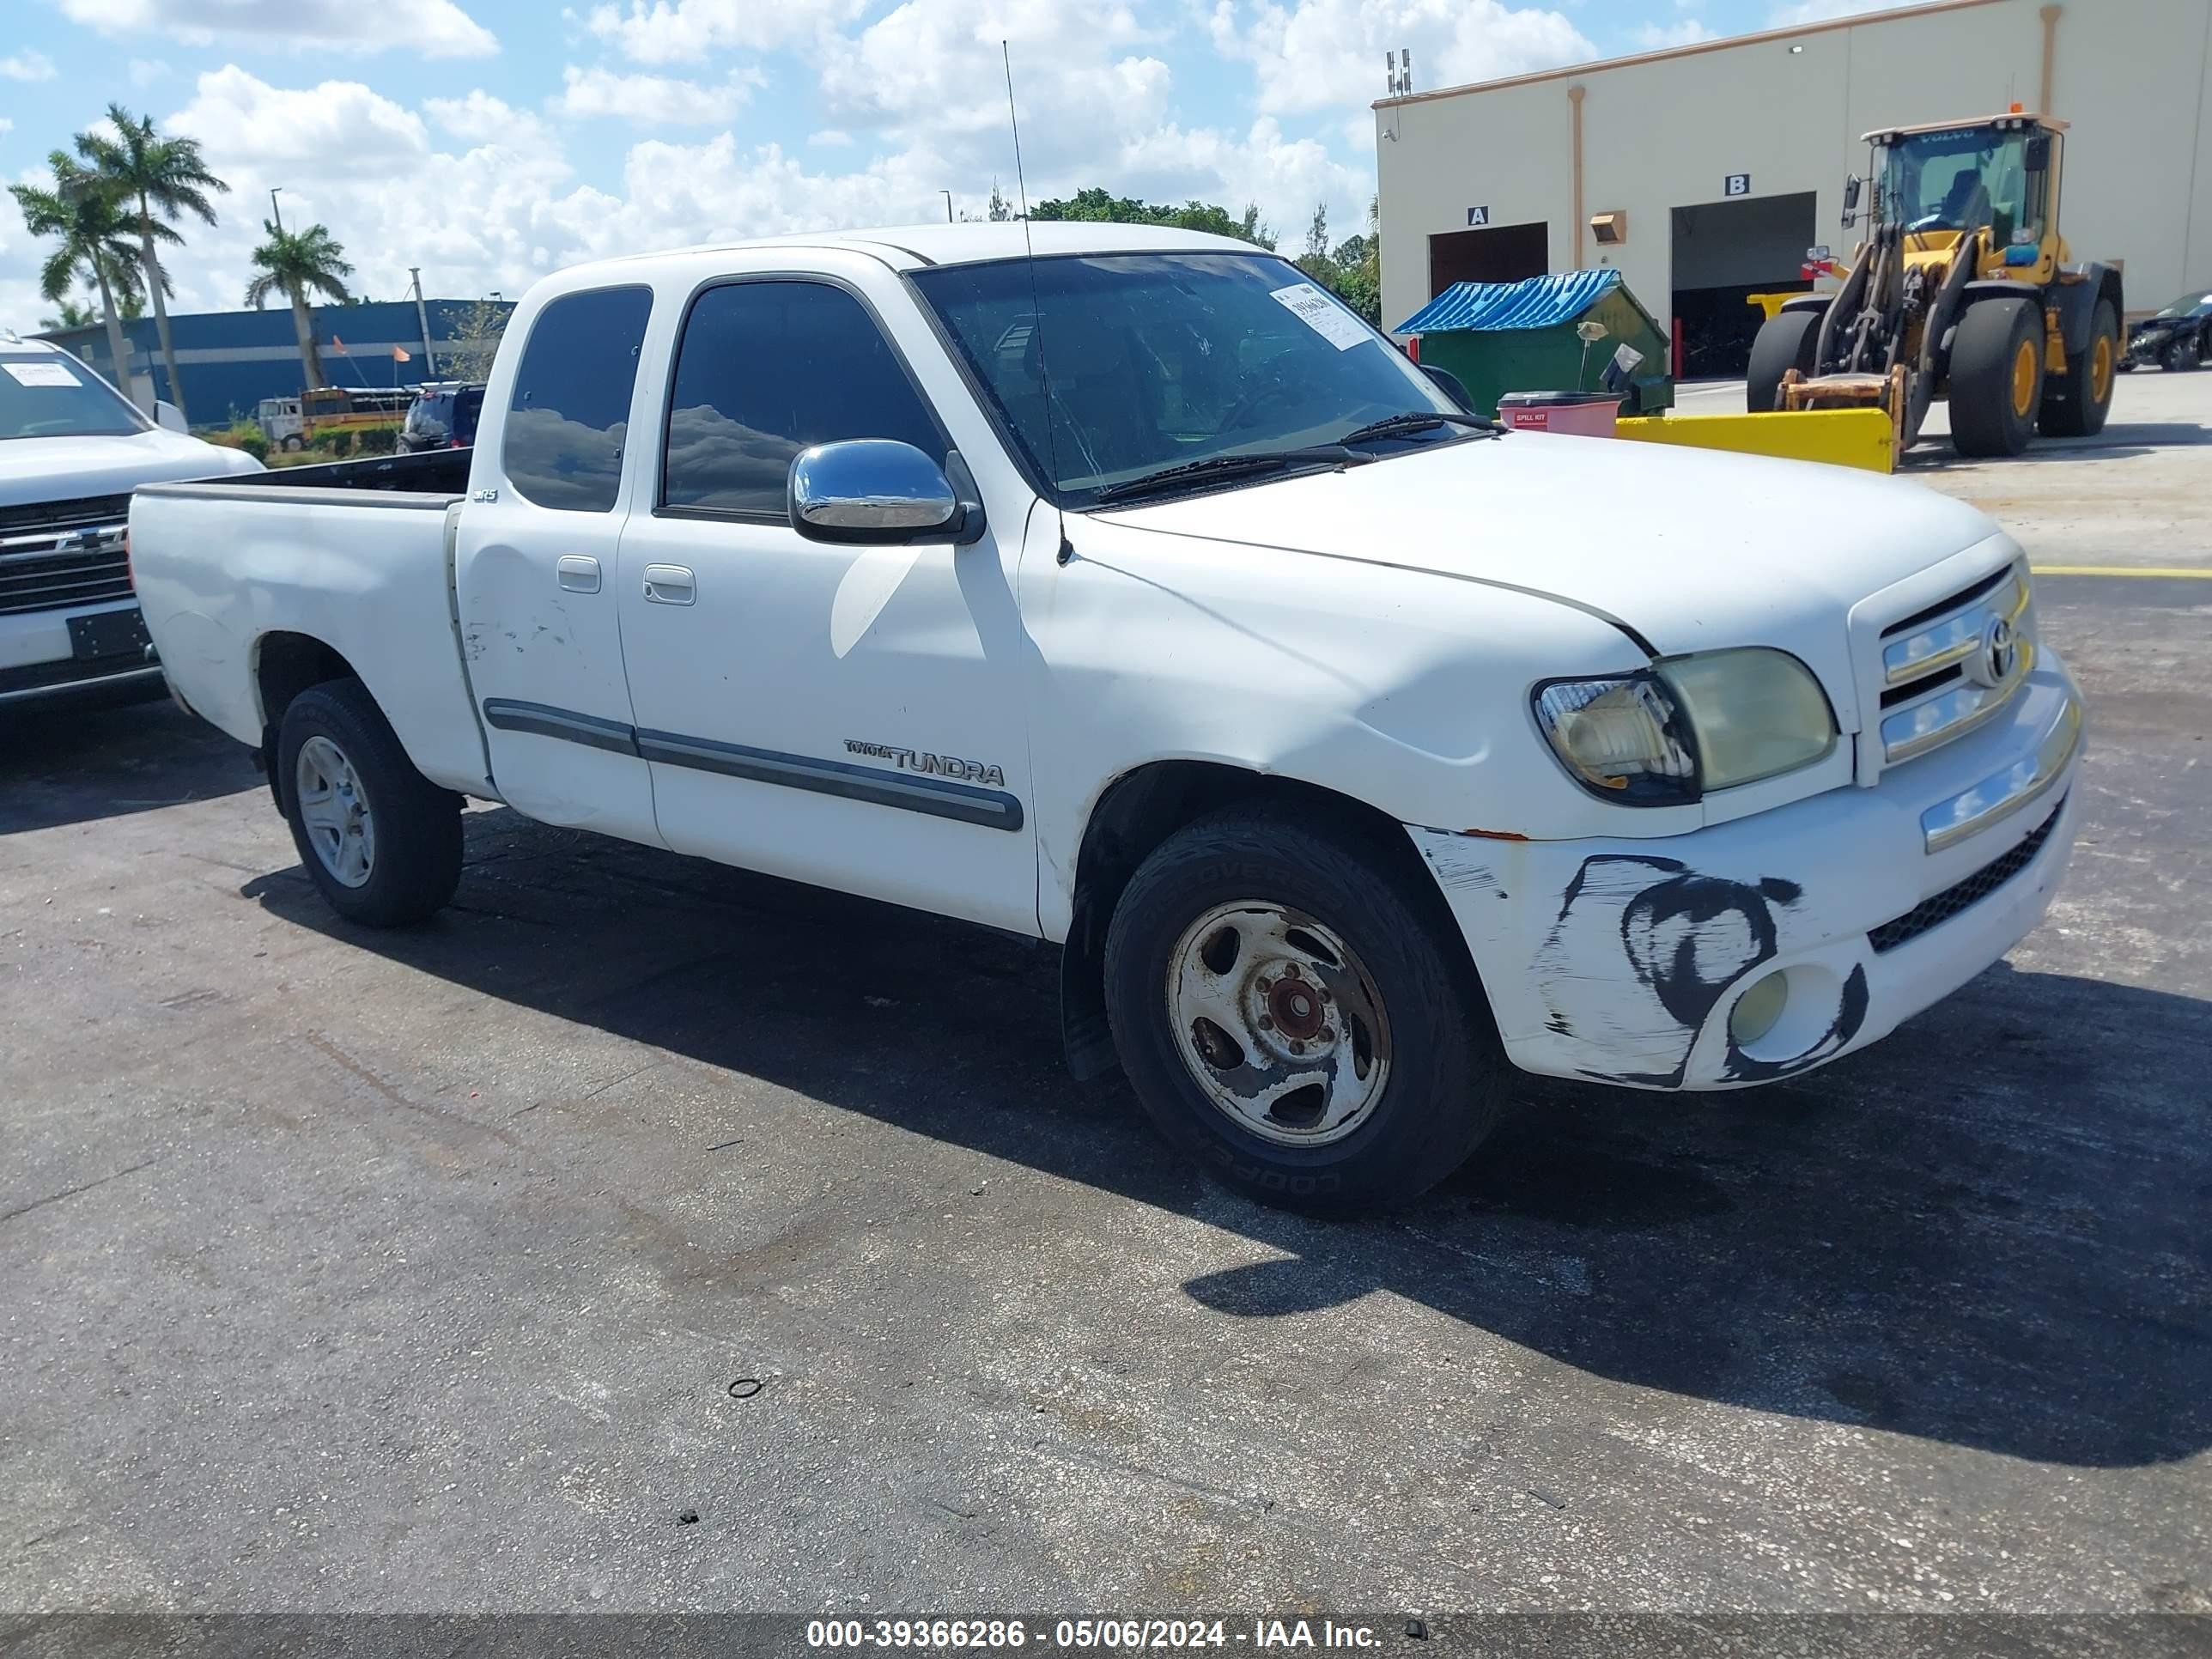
(1999, 796)
(99, 682)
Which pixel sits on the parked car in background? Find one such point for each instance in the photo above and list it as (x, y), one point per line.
(71, 451)
(1349, 753)
(442, 417)
(2179, 337)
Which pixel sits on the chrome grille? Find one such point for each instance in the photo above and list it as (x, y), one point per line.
(54, 554)
(1948, 668)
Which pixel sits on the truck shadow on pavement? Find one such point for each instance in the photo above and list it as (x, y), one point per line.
(75, 765)
(1985, 1232)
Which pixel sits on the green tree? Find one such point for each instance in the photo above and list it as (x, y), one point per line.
(74, 313)
(470, 357)
(1096, 206)
(163, 178)
(84, 211)
(295, 264)
(999, 212)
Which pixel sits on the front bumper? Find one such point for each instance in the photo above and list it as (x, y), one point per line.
(41, 661)
(1621, 960)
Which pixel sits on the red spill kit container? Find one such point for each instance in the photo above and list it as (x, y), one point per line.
(1582, 413)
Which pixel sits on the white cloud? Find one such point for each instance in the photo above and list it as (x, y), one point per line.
(481, 119)
(651, 100)
(1819, 12)
(436, 28)
(1323, 54)
(26, 65)
(1654, 36)
(682, 31)
(339, 127)
(6, 125)
(830, 138)
(144, 71)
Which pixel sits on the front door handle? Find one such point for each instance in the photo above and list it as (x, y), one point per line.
(669, 584)
(578, 573)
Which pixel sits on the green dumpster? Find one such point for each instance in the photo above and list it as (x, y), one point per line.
(1528, 337)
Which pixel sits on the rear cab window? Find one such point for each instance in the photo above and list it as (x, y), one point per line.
(568, 417)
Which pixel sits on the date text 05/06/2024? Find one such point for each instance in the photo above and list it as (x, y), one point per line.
(1089, 1633)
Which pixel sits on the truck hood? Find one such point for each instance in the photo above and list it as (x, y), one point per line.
(35, 470)
(1689, 550)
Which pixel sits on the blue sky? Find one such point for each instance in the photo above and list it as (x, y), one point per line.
(489, 141)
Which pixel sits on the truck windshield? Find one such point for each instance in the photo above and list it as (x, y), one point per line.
(1160, 359)
(45, 394)
(1961, 178)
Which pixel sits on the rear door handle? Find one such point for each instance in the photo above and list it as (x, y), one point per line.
(669, 584)
(578, 573)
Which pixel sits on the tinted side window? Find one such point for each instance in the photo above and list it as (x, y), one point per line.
(563, 443)
(765, 369)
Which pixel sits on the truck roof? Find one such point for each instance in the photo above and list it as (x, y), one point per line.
(910, 247)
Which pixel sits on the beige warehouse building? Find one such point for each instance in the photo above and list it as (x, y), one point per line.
(1715, 167)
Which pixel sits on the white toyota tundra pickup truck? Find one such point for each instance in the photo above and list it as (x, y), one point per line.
(1140, 598)
(72, 450)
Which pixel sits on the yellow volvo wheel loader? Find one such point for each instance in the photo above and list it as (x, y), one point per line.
(1963, 289)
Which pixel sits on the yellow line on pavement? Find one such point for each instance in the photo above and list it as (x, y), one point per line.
(2199, 572)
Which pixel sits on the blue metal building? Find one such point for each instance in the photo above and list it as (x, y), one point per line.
(231, 360)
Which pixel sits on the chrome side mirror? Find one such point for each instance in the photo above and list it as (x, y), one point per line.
(877, 489)
(167, 416)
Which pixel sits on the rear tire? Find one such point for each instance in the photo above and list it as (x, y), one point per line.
(381, 843)
(1243, 912)
(1785, 341)
(2076, 407)
(1996, 377)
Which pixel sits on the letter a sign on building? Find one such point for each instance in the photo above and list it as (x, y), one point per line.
(1477, 216)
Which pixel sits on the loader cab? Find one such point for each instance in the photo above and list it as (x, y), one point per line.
(1939, 184)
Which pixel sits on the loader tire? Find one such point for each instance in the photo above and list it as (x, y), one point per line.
(1785, 341)
(2076, 405)
(1996, 377)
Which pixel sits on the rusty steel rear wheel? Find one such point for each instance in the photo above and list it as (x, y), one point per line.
(1292, 1004)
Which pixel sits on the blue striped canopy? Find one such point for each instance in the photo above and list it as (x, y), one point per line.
(1539, 302)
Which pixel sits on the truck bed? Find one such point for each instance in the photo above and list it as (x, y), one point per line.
(434, 473)
(243, 577)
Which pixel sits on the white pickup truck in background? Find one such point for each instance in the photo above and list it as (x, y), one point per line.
(71, 451)
(1143, 598)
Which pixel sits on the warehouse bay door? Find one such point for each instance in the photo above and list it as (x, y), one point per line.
(1723, 253)
(1502, 253)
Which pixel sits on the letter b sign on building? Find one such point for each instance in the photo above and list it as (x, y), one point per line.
(1736, 184)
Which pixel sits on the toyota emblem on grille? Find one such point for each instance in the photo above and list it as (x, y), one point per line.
(1993, 665)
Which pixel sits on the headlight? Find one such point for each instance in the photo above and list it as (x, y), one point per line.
(1690, 725)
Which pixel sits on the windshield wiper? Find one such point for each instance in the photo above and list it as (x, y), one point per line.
(1227, 466)
(1417, 420)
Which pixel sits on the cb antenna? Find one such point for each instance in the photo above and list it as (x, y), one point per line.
(1036, 311)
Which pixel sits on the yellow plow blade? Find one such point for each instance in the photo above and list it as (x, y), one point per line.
(1841, 437)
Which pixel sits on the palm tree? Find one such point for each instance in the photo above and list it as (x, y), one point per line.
(84, 211)
(162, 177)
(298, 263)
(74, 315)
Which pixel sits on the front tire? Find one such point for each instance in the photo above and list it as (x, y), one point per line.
(1293, 1013)
(2179, 357)
(1784, 341)
(2076, 407)
(381, 843)
(1996, 377)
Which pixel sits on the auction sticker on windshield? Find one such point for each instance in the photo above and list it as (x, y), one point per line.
(1323, 315)
(41, 375)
